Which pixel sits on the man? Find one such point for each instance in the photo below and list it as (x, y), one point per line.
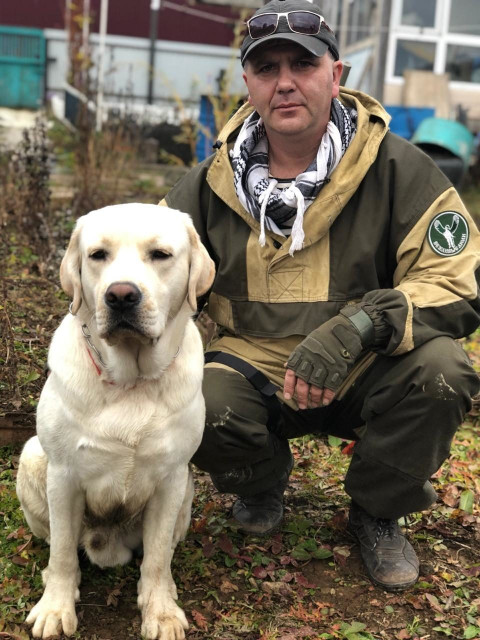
(337, 297)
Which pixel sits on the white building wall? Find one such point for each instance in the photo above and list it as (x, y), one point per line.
(463, 94)
(183, 71)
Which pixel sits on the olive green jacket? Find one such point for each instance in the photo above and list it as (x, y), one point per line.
(383, 230)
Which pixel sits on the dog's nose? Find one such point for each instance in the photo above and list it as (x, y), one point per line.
(121, 296)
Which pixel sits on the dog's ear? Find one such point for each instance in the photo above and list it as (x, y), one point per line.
(202, 269)
(70, 270)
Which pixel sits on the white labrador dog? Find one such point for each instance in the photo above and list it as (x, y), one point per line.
(121, 413)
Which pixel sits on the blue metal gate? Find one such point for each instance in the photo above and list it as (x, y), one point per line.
(22, 67)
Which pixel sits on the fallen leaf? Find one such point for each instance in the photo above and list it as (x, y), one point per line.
(277, 588)
(18, 533)
(200, 620)
(199, 525)
(450, 496)
(376, 603)
(340, 555)
(208, 548)
(228, 587)
(434, 603)
(259, 572)
(112, 598)
(25, 544)
(303, 581)
(226, 546)
(466, 501)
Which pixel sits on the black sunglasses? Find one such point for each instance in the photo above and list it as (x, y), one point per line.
(305, 22)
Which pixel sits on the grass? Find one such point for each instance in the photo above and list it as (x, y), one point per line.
(306, 581)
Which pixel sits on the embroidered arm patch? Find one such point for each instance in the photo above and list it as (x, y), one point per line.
(448, 233)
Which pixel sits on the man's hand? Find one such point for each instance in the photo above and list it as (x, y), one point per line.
(320, 364)
(308, 396)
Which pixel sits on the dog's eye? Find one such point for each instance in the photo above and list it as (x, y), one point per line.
(158, 254)
(99, 254)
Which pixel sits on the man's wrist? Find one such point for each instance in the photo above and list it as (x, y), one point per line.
(362, 323)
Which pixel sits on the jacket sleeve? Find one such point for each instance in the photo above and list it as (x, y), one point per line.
(191, 195)
(435, 282)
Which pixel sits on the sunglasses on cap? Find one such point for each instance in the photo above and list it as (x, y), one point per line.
(305, 22)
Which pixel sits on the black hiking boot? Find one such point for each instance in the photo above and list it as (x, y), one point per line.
(388, 556)
(262, 513)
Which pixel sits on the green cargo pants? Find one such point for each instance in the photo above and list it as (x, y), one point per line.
(410, 407)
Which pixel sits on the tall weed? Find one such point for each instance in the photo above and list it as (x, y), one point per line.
(24, 177)
(102, 160)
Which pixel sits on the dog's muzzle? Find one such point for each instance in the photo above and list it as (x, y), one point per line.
(123, 297)
(123, 302)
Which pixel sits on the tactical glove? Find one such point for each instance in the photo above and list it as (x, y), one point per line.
(328, 353)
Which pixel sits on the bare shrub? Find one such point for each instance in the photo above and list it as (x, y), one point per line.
(224, 103)
(24, 177)
(103, 160)
(8, 356)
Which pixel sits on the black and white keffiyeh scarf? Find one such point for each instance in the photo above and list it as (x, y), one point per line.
(259, 194)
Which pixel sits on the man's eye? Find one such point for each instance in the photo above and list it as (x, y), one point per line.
(266, 68)
(158, 254)
(304, 63)
(99, 254)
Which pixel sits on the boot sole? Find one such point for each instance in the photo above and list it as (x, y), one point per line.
(390, 587)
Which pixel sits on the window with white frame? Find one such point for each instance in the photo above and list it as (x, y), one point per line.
(412, 54)
(418, 14)
(465, 17)
(463, 63)
(436, 35)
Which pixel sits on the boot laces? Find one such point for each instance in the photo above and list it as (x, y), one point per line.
(384, 529)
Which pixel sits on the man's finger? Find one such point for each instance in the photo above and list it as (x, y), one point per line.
(328, 396)
(289, 384)
(302, 389)
(316, 396)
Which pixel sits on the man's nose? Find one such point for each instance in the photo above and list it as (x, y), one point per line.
(285, 79)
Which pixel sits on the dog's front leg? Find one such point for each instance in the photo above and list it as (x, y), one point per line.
(161, 617)
(55, 611)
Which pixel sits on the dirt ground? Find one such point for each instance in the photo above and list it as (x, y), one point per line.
(306, 581)
(306, 607)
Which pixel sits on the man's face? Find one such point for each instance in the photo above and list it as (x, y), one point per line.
(292, 89)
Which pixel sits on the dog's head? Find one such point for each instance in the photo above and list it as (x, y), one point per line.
(132, 267)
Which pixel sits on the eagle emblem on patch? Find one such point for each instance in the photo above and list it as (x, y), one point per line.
(448, 233)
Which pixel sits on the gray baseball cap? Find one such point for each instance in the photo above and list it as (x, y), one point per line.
(317, 44)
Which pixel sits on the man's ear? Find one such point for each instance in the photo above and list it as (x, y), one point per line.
(70, 270)
(244, 76)
(337, 74)
(202, 269)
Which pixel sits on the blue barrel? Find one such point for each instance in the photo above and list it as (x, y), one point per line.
(445, 134)
(405, 120)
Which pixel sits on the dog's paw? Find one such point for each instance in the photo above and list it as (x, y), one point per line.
(172, 587)
(172, 590)
(162, 618)
(78, 578)
(53, 614)
(166, 626)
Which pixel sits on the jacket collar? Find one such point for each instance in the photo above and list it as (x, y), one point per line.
(372, 127)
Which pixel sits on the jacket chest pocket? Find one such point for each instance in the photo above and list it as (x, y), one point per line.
(285, 285)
